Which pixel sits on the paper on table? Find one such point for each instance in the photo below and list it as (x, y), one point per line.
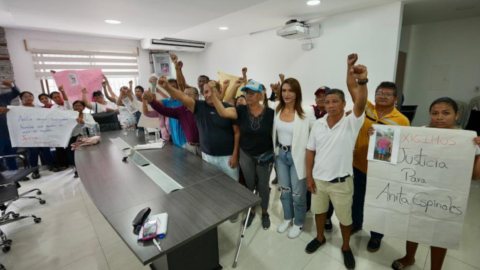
(157, 145)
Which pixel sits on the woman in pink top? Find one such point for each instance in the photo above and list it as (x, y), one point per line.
(163, 121)
(382, 147)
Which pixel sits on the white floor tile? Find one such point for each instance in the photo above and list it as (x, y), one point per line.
(469, 246)
(106, 234)
(451, 263)
(119, 257)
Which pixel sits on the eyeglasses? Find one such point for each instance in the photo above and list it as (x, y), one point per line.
(380, 94)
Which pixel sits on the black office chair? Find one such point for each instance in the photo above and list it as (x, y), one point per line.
(409, 111)
(2, 267)
(9, 194)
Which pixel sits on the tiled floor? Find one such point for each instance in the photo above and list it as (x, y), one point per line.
(74, 235)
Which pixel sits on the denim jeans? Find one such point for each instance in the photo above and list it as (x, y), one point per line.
(360, 188)
(221, 162)
(294, 190)
(6, 149)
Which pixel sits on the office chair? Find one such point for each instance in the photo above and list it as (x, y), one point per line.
(9, 194)
(409, 111)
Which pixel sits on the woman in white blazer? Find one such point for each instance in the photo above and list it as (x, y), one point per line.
(290, 135)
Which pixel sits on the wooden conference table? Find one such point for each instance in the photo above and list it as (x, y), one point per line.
(121, 189)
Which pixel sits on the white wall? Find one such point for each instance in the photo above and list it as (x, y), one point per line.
(449, 43)
(372, 33)
(23, 64)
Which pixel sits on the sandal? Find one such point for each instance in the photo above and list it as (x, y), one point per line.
(397, 265)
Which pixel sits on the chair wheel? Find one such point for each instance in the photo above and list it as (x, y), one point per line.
(9, 242)
(43, 202)
(37, 220)
(6, 249)
(39, 193)
(15, 215)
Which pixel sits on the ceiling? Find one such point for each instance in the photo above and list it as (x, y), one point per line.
(199, 19)
(428, 11)
(189, 19)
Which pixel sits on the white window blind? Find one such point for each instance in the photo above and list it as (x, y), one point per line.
(113, 64)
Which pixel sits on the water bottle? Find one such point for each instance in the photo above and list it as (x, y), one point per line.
(84, 133)
(157, 135)
(146, 135)
(125, 128)
(93, 130)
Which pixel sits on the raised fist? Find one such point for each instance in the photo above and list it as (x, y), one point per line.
(352, 59)
(226, 83)
(7, 84)
(61, 89)
(282, 77)
(174, 58)
(359, 72)
(180, 64)
(244, 71)
(238, 82)
(84, 90)
(147, 95)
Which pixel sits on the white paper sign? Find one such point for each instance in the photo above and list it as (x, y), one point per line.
(129, 105)
(148, 122)
(423, 198)
(39, 127)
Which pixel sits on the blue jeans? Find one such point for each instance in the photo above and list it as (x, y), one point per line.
(7, 149)
(221, 162)
(33, 155)
(294, 191)
(360, 188)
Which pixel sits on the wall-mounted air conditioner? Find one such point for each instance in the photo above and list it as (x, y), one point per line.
(172, 44)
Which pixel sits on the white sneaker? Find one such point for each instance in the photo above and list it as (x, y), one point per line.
(295, 231)
(283, 227)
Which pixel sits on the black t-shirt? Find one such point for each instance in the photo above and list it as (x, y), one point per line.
(256, 132)
(216, 133)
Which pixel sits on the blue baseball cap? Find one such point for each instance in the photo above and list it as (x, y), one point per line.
(254, 86)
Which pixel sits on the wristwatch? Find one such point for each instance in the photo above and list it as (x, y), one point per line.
(362, 82)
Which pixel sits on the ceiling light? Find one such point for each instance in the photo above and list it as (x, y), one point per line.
(223, 28)
(313, 2)
(113, 21)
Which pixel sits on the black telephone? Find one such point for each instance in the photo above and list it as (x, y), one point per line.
(138, 221)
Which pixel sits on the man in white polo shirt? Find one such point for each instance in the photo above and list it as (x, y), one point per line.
(329, 161)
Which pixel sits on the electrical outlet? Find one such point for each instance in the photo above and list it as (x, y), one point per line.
(477, 89)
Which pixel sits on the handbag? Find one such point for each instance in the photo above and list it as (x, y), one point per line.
(108, 121)
(267, 158)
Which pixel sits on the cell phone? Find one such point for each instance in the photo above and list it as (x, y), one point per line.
(150, 230)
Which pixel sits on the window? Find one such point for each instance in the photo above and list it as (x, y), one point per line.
(119, 68)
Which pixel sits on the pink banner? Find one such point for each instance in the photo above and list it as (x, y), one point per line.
(74, 80)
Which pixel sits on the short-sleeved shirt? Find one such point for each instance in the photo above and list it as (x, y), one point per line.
(371, 118)
(99, 108)
(334, 146)
(216, 133)
(256, 132)
(383, 143)
(178, 136)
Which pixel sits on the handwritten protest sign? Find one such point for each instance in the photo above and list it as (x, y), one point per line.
(74, 80)
(423, 198)
(32, 127)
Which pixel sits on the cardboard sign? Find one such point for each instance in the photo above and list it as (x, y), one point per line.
(423, 198)
(74, 80)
